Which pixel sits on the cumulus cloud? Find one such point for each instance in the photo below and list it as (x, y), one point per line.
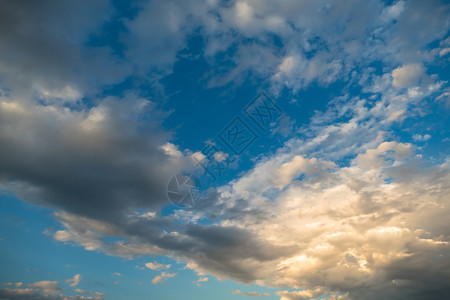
(163, 277)
(407, 75)
(321, 51)
(298, 165)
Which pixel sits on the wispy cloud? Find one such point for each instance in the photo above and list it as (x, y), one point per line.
(251, 294)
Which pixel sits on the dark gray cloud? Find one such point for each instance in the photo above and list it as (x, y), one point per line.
(43, 48)
(98, 162)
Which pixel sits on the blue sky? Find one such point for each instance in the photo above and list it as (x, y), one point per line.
(311, 137)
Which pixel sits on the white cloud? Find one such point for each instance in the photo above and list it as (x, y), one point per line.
(421, 138)
(393, 12)
(175, 20)
(45, 290)
(251, 294)
(157, 266)
(200, 280)
(66, 94)
(80, 291)
(220, 156)
(163, 277)
(407, 75)
(298, 165)
(444, 52)
(298, 295)
(46, 287)
(74, 281)
(62, 236)
(328, 229)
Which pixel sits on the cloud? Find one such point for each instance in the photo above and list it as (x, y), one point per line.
(175, 20)
(36, 55)
(18, 293)
(298, 295)
(163, 277)
(251, 294)
(421, 138)
(306, 294)
(46, 287)
(444, 51)
(347, 210)
(392, 12)
(203, 279)
(136, 168)
(157, 266)
(298, 165)
(327, 229)
(45, 290)
(74, 281)
(407, 75)
(80, 291)
(320, 51)
(331, 221)
(62, 236)
(200, 280)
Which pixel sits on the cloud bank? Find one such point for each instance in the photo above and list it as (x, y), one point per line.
(342, 208)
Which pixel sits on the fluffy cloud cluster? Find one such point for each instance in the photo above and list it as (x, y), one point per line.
(302, 219)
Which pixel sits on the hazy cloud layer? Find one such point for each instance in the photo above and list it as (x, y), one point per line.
(47, 290)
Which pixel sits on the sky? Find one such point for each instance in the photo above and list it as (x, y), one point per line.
(246, 149)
